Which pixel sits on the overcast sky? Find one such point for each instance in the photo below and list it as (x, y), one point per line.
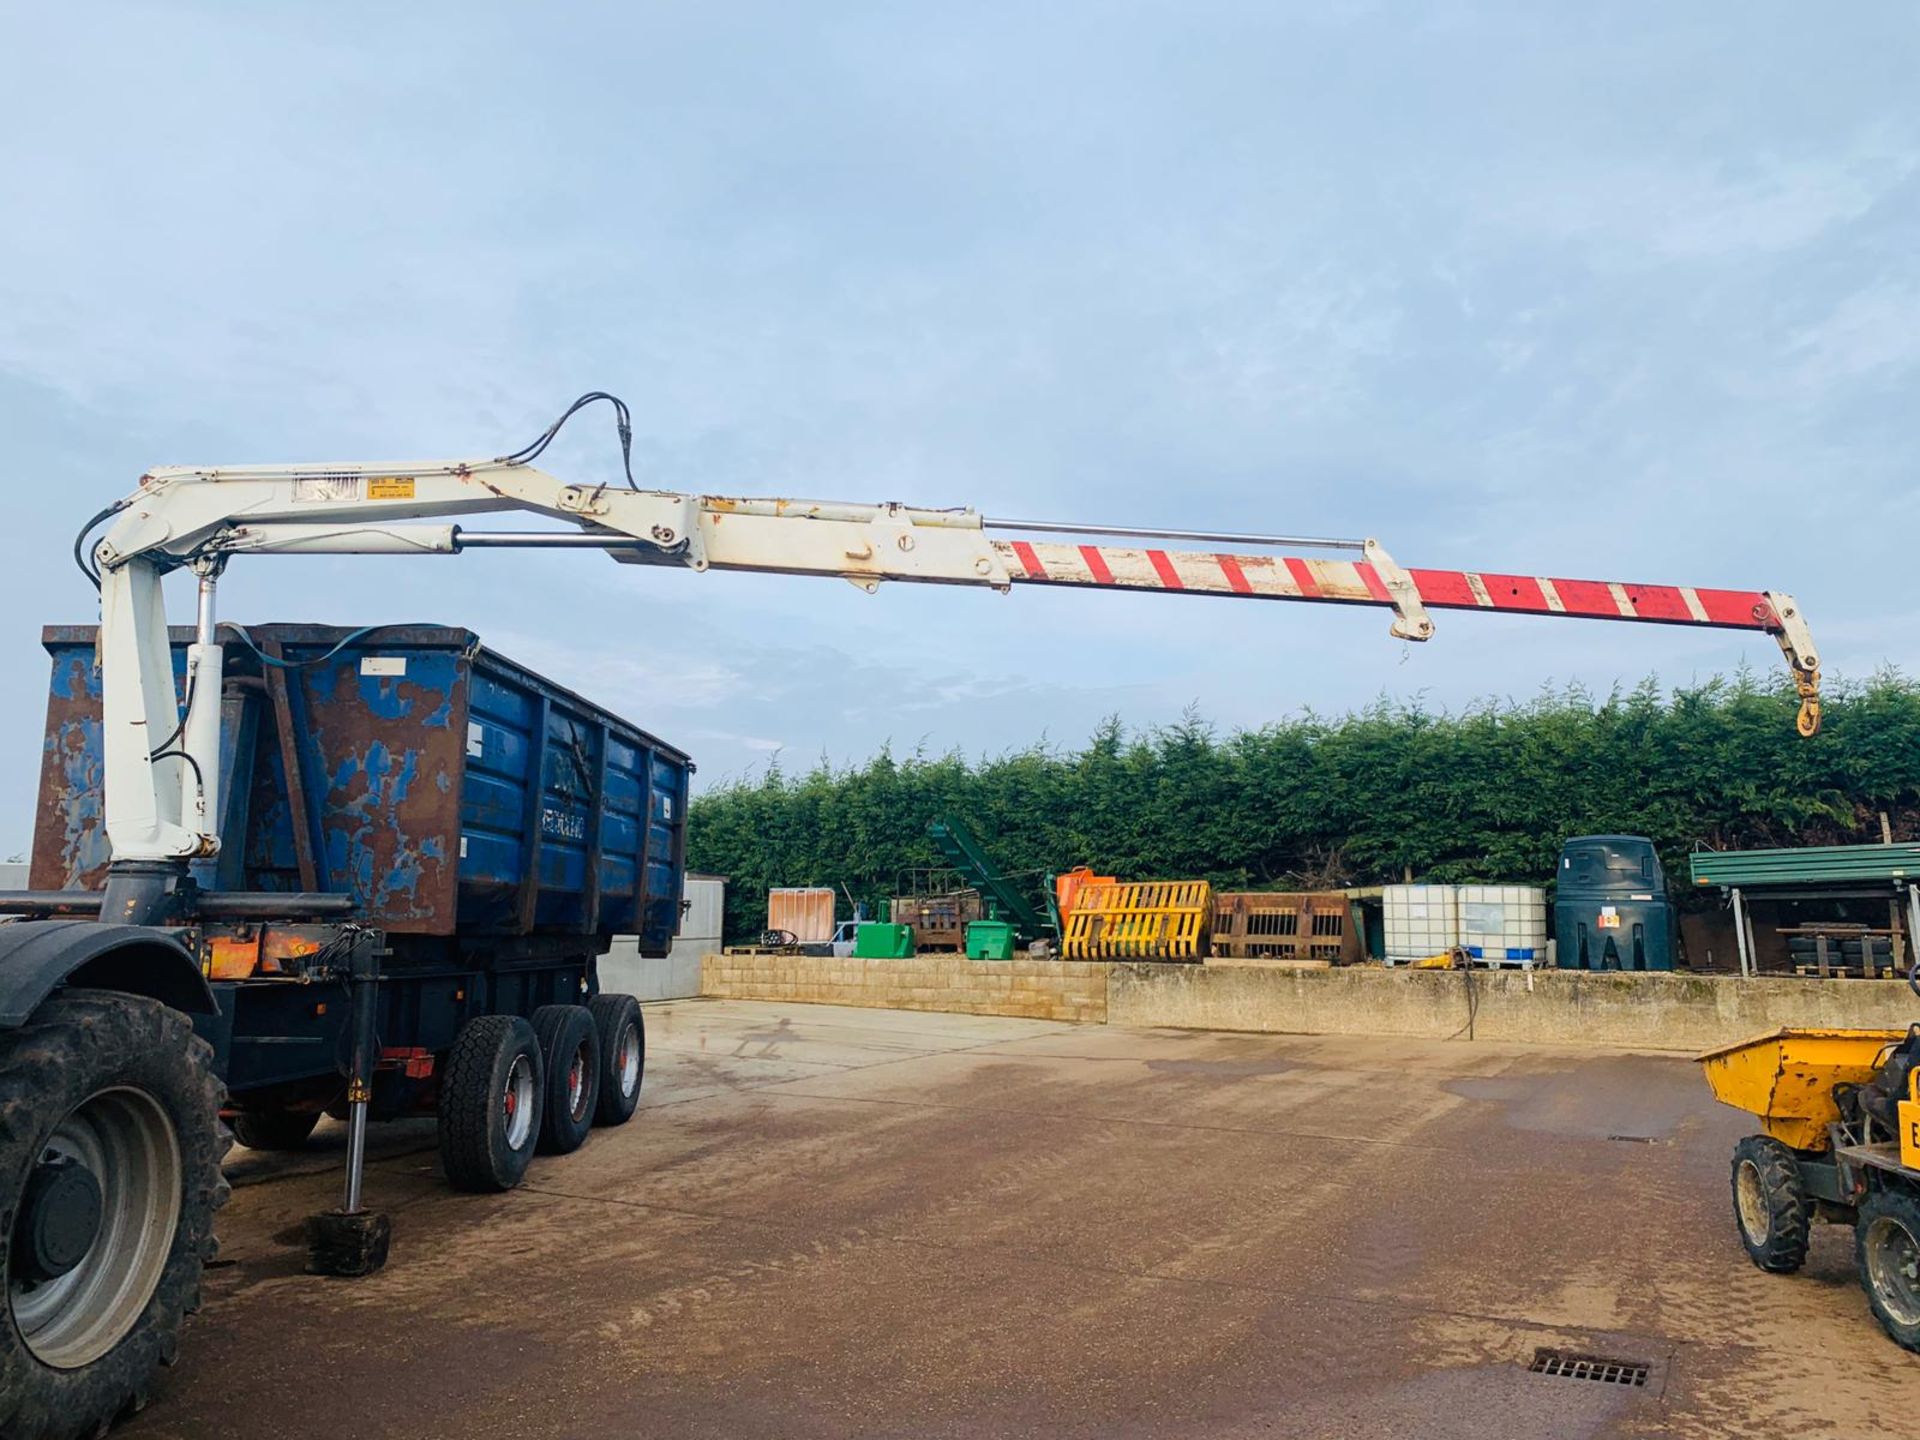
(1617, 292)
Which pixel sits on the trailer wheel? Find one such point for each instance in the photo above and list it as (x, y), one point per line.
(1770, 1204)
(1887, 1249)
(110, 1146)
(570, 1044)
(490, 1101)
(275, 1129)
(623, 1056)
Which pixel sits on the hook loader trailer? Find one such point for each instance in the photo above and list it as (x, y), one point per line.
(287, 870)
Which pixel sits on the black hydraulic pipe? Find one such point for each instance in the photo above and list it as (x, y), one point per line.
(50, 902)
(206, 904)
(271, 904)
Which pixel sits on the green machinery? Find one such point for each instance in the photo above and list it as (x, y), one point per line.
(1004, 899)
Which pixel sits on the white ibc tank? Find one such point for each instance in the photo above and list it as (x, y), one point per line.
(1421, 920)
(1504, 924)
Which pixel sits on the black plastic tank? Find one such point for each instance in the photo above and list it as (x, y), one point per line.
(1610, 909)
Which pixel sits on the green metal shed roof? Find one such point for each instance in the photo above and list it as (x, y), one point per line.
(1811, 865)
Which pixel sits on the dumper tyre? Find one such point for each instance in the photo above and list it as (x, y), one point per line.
(491, 1095)
(570, 1045)
(110, 1112)
(623, 1056)
(275, 1129)
(1771, 1206)
(1887, 1250)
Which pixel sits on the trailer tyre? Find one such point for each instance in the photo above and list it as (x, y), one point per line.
(491, 1094)
(1887, 1249)
(275, 1129)
(570, 1044)
(110, 1149)
(623, 1056)
(1770, 1204)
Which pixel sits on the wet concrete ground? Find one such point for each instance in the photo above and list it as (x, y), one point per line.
(852, 1223)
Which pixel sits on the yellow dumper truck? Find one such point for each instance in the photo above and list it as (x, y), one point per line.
(1840, 1112)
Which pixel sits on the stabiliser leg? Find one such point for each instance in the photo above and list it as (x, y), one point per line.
(354, 1240)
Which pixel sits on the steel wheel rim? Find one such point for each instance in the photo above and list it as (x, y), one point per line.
(629, 1054)
(128, 1141)
(577, 1080)
(1750, 1200)
(516, 1103)
(1893, 1265)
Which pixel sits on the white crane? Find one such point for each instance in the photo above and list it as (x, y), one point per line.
(162, 770)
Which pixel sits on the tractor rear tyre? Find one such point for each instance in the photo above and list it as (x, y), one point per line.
(570, 1044)
(1887, 1249)
(491, 1094)
(623, 1056)
(275, 1129)
(1771, 1205)
(110, 1147)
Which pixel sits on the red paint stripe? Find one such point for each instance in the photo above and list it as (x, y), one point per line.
(1589, 599)
(1302, 574)
(1096, 564)
(1738, 607)
(1444, 587)
(1376, 587)
(1658, 602)
(1035, 570)
(1516, 592)
(1236, 577)
(1163, 567)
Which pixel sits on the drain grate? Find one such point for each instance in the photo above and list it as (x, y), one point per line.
(1547, 1361)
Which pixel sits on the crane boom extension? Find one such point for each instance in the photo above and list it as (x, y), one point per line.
(162, 751)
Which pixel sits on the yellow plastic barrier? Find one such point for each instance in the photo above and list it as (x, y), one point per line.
(1152, 920)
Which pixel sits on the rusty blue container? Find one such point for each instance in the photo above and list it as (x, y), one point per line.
(450, 791)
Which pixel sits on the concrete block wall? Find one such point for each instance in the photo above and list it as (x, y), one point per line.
(1031, 989)
(1549, 1007)
(1679, 1012)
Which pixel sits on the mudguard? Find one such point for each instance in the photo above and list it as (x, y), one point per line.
(39, 956)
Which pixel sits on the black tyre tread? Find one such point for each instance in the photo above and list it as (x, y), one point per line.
(466, 1102)
(1790, 1209)
(77, 1041)
(608, 1011)
(275, 1129)
(1904, 1204)
(551, 1024)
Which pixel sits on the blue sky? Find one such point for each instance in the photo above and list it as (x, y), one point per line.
(1604, 291)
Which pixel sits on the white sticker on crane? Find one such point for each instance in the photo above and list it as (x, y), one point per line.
(383, 665)
(325, 489)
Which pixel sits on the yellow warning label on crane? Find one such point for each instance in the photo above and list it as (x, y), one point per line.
(390, 487)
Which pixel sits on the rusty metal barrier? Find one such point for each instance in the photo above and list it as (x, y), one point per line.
(1151, 920)
(1272, 925)
(939, 921)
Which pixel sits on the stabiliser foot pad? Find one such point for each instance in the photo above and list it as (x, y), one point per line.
(350, 1245)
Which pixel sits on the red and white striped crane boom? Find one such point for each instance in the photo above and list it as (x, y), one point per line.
(157, 800)
(1373, 579)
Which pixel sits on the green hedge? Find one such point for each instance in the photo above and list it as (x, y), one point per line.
(1486, 794)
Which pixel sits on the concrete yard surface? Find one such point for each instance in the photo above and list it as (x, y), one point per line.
(833, 1222)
